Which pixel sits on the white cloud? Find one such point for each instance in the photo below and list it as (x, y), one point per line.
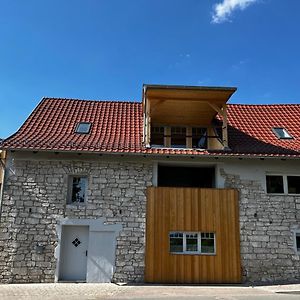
(222, 11)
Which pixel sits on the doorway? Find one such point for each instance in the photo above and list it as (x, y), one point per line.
(74, 252)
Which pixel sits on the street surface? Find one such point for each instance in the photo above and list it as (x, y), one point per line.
(86, 291)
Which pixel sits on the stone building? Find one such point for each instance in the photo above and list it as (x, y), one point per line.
(179, 188)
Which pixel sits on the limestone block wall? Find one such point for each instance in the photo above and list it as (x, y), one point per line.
(266, 226)
(34, 200)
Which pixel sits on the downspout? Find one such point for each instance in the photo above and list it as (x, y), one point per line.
(2, 179)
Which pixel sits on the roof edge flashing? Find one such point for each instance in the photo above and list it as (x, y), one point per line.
(187, 87)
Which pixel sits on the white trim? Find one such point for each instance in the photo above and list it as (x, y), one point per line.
(285, 183)
(199, 239)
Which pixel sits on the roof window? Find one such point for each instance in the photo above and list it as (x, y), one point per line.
(281, 133)
(83, 127)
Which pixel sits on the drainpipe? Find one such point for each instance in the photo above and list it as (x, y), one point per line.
(2, 179)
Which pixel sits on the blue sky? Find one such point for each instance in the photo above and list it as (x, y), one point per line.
(106, 49)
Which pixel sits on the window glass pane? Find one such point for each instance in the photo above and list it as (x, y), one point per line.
(157, 136)
(178, 137)
(282, 133)
(298, 241)
(199, 138)
(192, 242)
(293, 184)
(78, 189)
(207, 243)
(275, 184)
(176, 242)
(83, 127)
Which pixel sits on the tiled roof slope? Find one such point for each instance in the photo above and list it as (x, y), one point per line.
(117, 127)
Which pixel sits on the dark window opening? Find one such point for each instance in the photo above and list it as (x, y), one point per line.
(275, 184)
(293, 184)
(174, 176)
(298, 242)
(199, 138)
(191, 242)
(78, 186)
(207, 242)
(176, 242)
(157, 136)
(178, 137)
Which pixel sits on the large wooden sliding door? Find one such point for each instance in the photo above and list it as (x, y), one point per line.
(192, 210)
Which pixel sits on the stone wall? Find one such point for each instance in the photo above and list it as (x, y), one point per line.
(266, 226)
(34, 200)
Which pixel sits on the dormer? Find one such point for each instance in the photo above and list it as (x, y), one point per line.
(186, 116)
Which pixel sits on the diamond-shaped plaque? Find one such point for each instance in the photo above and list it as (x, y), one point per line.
(76, 242)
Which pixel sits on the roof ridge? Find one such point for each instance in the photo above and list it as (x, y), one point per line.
(93, 100)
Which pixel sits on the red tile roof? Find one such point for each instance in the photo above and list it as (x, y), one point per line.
(117, 127)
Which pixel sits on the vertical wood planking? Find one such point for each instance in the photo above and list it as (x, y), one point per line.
(192, 209)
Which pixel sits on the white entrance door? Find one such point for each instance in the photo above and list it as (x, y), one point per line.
(73, 255)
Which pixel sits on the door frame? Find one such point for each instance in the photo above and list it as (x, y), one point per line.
(95, 226)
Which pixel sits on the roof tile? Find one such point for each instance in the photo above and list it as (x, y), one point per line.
(117, 127)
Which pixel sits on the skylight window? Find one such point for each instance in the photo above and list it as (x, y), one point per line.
(281, 133)
(83, 127)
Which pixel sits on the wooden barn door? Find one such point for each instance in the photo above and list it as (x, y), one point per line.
(192, 210)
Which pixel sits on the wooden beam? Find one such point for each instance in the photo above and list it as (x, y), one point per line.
(189, 139)
(224, 127)
(167, 136)
(215, 107)
(148, 125)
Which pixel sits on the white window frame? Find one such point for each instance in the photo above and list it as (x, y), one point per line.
(296, 233)
(198, 243)
(285, 184)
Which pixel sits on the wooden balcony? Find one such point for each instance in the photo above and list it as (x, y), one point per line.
(188, 107)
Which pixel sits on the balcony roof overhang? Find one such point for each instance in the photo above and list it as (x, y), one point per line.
(184, 105)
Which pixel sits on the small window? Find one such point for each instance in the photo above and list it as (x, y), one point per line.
(178, 137)
(157, 136)
(293, 184)
(297, 240)
(77, 189)
(275, 184)
(83, 127)
(199, 138)
(281, 133)
(283, 184)
(176, 242)
(207, 242)
(192, 243)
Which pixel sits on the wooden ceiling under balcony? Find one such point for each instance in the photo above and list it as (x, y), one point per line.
(181, 105)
